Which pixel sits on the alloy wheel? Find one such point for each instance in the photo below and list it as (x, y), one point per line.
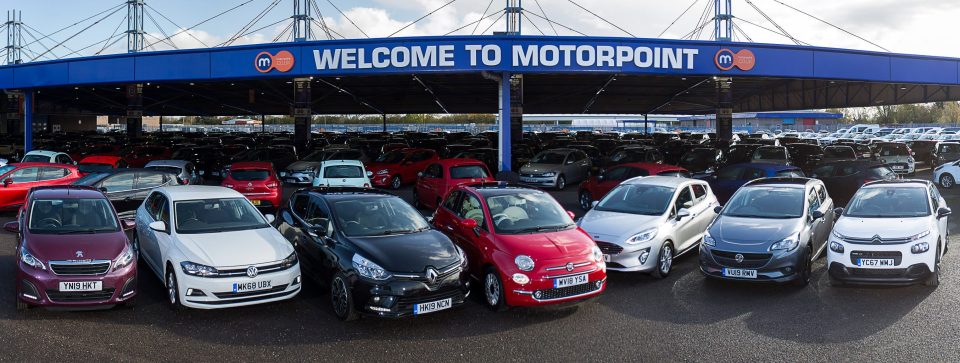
(585, 201)
(492, 289)
(666, 259)
(561, 183)
(172, 288)
(395, 183)
(947, 181)
(338, 294)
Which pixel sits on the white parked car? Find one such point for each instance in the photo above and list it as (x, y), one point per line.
(342, 173)
(213, 249)
(44, 156)
(644, 223)
(891, 232)
(946, 175)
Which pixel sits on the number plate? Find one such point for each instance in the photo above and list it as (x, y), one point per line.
(255, 202)
(740, 273)
(251, 286)
(570, 281)
(81, 286)
(429, 307)
(876, 262)
(898, 167)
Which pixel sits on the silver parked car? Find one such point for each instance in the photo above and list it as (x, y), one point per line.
(555, 168)
(185, 171)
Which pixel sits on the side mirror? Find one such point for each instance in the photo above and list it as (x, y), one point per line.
(815, 215)
(317, 231)
(158, 226)
(128, 224)
(7, 182)
(270, 218)
(683, 213)
(102, 190)
(12, 227)
(717, 209)
(943, 212)
(469, 223)
(369, 173)
(838, 211)
(572, 216)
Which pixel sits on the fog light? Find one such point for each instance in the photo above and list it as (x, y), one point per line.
(599, 283)
(296, 280)
(521, 279)
(643, 257)
(920, 247)
(836, 247)
(377, 308)
(195, 292)
(537, 295)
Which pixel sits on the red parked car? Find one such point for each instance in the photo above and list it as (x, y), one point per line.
(440, 177)
(595, 188)
(398, 167)
(94, 266)
(18, 178)
(97, 163)
(522, 246)
(257, 181)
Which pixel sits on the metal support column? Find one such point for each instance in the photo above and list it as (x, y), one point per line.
(384, 116)
(510, 125)
(134, 110)
(27, 121)
(263, 124)
(301, 21)
(11, 112)
(14, 46)
(724, 108)
(135, 31)
(723, 20)
(646, 130)
(302, 113)
(514, 21)
(161, 124)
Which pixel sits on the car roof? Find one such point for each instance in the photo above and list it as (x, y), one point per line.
(651, 167)
(905, 183)
(66, 192)
(346, 192)
(446, 163)
(193, 192)
(252, 165)
(767, 166)
(780, 181)
(175, 163)
(42, 152)
(99, 158)
(664, 181)
(327, 163)
(33, 164)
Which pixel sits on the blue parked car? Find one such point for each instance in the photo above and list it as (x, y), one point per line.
(730, 178)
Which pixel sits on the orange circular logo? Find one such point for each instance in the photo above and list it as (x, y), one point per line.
(265, 62)
(726, 59)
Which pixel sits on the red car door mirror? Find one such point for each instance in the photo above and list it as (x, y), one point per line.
(469, 223)
(7, 182)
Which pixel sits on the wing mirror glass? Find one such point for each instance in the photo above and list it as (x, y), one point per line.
(572, 215)
(7, 182)
(838, 211)
(469, 223)
(158, 226)
(815, 215)
(270, 218)
(717, 209)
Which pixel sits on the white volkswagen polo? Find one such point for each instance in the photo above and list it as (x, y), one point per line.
(891, 232)
(213, 249)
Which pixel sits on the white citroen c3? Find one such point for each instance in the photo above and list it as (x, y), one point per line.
(213, 249)
(891, 232)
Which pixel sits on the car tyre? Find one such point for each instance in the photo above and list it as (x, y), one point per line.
(493, 294)
(173, 290)
(934, 279)
(561, 182)
(664, 261)
(586, 201)
(395, 183)
(341, 299)
(947, 181)
(803, 276)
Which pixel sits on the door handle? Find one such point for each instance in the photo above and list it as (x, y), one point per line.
(449, 228)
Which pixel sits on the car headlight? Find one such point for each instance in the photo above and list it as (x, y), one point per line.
(836, 247)
(196, 269)
(368, 269)
(708, 239)
(597, 254)
(644, 236)
(550, 174)
(919, 235)
(383, 172)
(920, 247)
(786, 244)
(124, 260)
(290, 261)
(524, 263)
(31, 261)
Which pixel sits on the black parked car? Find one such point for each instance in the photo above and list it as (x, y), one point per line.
(378, 254)
(946, 151)
(843, 178)
(806, 156)
(701, 161)
(127, 188)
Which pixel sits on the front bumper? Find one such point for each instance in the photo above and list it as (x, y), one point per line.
(909, 268)
(630, 258)
(540, 289)
(398, 298)
(774, 267)
(218, 293)
(539, 181)
(382, 180)
(42, 288)
(297, 177)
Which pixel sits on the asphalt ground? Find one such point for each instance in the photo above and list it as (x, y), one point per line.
(681, 318)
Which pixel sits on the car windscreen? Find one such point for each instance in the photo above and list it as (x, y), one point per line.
(319, 155)
(343, 171)
(699, 155)
(6, 169)
(216, 215)
(637, 199)
(365, 217)
(766, 202)
(769, 153)
(678, 174)
(71, 216)
(468, 172)
(527, 212)
(249, 174)
(94, 168)
(35, 159)
(839, 152)
(549, 157)
(170, 169)
(889, 202)
(392, 157)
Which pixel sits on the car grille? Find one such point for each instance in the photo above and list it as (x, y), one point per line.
(895, 255)
(80, 296)
(261, 270)
(569, 291)
(230, 295)
(609, 248)
(96, 267)
(533, 175)
(750, 260)
(407, 302)
(871, 240)
(443, 275)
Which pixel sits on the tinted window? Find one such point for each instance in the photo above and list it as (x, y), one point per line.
(49, 173)
(766, 202)
(343, 171)
(825, 171)
(616, 174)
(699, 192)
(730, 173)
(149, 180)
(889, 202)
(300, 203)
(94, 168)
(378, 217)
(249, 174)
(433, 171)
(637, 199)
(684, 200)
(35, 159)
(527, 212)
(678, 174)
(118, 183)
(468, 172)
(25, 175)
(217, 215)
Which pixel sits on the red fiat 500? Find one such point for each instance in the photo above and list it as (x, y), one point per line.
(17, 179)
(72, 250)
(440, 177)
(257, 181)
(399, 167)
(597, 187)
(524, 248)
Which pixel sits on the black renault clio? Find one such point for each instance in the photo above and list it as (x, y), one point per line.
(375, 252)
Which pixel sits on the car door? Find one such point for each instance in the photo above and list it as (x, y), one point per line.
(727, 181)
(936, 202)
(826, 207)
(146, 182)
(154, 243)
(119, 188)
(146, 241)
(431, 185)
(443, 218)
(21, 180)
(311, 212)
(612, 178)
(684, 228)
(470, 241)
(702, 210)
(585, 165)
(816, 226)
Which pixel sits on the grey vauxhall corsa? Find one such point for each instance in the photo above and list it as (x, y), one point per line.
(771, 230)
(555, 168)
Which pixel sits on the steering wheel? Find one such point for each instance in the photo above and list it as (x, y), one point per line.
(497, 218)
(50, 222)
(352, 225)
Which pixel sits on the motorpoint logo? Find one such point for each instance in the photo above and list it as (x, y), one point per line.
(726, 59)
(265, 62)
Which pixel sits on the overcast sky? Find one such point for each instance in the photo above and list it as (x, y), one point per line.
(904, 26)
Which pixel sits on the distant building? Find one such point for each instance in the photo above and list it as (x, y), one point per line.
(749, 121)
